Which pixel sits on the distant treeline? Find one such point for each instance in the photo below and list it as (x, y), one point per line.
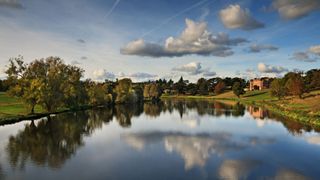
(53, 84)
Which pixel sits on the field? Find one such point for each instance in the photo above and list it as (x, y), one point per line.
(10, 106)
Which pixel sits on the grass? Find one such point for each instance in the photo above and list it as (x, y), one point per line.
(306, 110)
(11, 107)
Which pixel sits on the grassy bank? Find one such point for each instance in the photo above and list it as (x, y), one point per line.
(306, 110)
(13, 110)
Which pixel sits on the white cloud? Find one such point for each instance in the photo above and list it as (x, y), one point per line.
(315, 50)
(102, 74)
(313, 140)
(194, 68)
(293, 9)
(255, 48)
(264, 68)
(234, 17)
(195, 39)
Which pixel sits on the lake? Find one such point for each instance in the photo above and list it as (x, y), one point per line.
(174, 139)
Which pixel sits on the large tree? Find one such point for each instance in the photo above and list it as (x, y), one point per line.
(203, 86)
(180, 86)
(238, 89)
(295, 86)
(277, 88)
(47, 82)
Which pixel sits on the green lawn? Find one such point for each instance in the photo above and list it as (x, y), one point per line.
(10, 106)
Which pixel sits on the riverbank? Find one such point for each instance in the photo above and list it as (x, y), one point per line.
(12, 110)
(306, 110)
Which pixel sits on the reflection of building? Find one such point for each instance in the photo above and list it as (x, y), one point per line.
(257, 112)
(259, 84)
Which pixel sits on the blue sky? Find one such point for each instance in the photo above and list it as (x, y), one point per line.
(150, 39)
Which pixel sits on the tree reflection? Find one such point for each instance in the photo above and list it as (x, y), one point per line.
(54, 140)
(124, 113)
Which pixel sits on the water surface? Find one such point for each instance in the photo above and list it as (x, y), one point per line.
(175, 139)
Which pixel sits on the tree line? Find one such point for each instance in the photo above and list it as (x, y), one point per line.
(52, 84)
(296, 84)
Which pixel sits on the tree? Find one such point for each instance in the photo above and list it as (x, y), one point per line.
(237, 89)
(277, 88)
(152, 92)
(124, 91)
(295, 86)
(312, 79)
(180, 86)
(98, 94)
(47, 82)
(202, 86)
(219, 88)
(192, 89)
(22, 83)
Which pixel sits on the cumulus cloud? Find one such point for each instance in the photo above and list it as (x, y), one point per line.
(293, 9)
(303, 56)
(255, 48)
(102, 74)
(264, 68)
(195, 39)
(234, 17)
(194, 68)
(11, 4)
(315, 50)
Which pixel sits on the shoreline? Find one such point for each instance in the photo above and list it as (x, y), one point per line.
(269, 105)
(18, 118)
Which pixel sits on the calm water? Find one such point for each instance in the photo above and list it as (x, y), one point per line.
(171, 140)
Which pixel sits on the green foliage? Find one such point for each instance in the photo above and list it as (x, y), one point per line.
(238, 89)
(192, 89)
(47, 82)
(277, 88)
(124, 91)
(180, 86)
(202, 86)
(294, 84)
(152, 92)
(97, 94)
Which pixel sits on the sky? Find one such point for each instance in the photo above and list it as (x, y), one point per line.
(152, 39)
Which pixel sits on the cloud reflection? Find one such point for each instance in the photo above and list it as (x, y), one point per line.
(195, 149)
